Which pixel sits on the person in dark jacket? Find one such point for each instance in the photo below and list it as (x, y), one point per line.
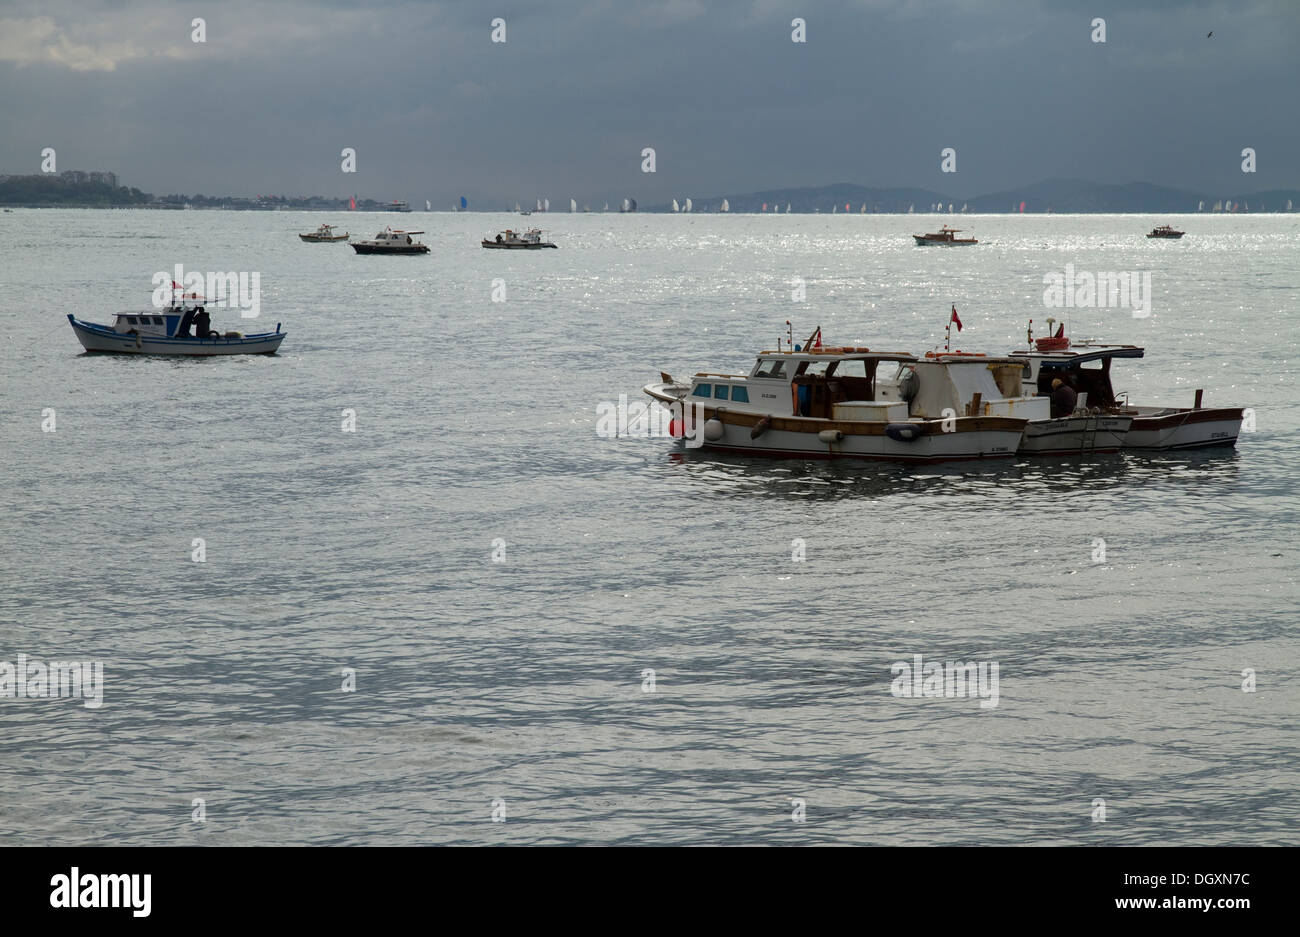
(183, 330)
(203, 323)
(1063, 398)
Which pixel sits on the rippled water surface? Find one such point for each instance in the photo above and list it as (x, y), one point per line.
(521, 681)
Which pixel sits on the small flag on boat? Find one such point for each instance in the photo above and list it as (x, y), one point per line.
(954, 320)
(817, 341)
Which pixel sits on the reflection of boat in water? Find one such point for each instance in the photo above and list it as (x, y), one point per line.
(514, 240)
(390, 241)
(827, 402)
(1165, 231)
(945, 236)
(1085, 368)
(167, 332)
(324, 233)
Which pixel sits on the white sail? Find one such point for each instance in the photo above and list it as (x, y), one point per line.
(864, 209)
(1288, 205)
(626, 204)
(1200, 206)
(726, 206)
(428, 206)
(676, 207)
(546, 204)
(950, 208)
(689, 206)
(911, 208)
(787, 208)
(963, 207)
(573, 204)
(539, 204)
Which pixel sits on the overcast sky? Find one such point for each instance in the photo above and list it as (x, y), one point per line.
(730, 104)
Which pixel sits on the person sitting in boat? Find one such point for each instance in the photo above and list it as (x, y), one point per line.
(499, 238)
(202, 323)
(1064, 398)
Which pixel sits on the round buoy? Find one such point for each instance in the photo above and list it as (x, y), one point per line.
(675, 428)
(903, 432)
(714, 430)
(830, 436)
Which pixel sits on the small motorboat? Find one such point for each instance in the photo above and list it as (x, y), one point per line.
(514, 240)
(167, 332)
(1164, 231)
(391, 241)
(944, 237)
(324, 233)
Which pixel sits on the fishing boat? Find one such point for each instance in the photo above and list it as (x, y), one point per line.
(324, 233)
(391, 241)
(945, 236)
(815, 401)
(516, 240)
(166, 331)
(1086, 367)
(1165, 231)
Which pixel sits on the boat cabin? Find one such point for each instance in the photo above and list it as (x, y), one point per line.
(970, 384)
(161, 323)
(827, 383)
(1086, 367)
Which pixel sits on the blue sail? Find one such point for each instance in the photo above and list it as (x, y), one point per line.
(463, 203)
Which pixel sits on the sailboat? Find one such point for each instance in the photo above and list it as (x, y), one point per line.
(963, 208)
(787, 208)
(864, 209)
(950, 208)
(428, 206)
(546, 204)
(573, 205)
(1200, 206)
(689, 205)
(676, 207)
(726, 206)
(517, 206)
(1288, 205)
(911, 208)
(539, 205)
(834, 209)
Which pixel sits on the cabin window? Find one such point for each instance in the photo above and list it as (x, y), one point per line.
(770, 367)
(740, 394)
(720, 391)
(157, 320)
(813, 368)
(701, 390)
(853, 367)
(131, 320)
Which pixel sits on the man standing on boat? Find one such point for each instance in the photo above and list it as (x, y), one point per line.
(1064, 398)
(202, 323)
(183, 330)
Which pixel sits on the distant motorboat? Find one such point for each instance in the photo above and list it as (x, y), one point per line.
(324, 233)
(944, 237)
(515, 240)
(390, 241)
(397, 206)
(1164, 231)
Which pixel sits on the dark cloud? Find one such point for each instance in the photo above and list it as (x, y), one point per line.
(718, 89)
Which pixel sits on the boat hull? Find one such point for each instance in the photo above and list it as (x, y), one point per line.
(1073, 435)
(493, 245)
(98, 338)
(759, 434)
(1172, 429)
(943, 242)
(404, 249)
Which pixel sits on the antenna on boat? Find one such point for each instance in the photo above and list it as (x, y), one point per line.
(1029, 335)
(789, 332)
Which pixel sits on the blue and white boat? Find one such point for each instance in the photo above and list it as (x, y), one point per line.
(166, 332)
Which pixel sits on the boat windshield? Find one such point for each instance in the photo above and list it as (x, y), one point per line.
(770, 367)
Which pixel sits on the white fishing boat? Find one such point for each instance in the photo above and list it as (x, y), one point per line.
(517, 240)
(166, 331)
(1085, 368)
(836, 402)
